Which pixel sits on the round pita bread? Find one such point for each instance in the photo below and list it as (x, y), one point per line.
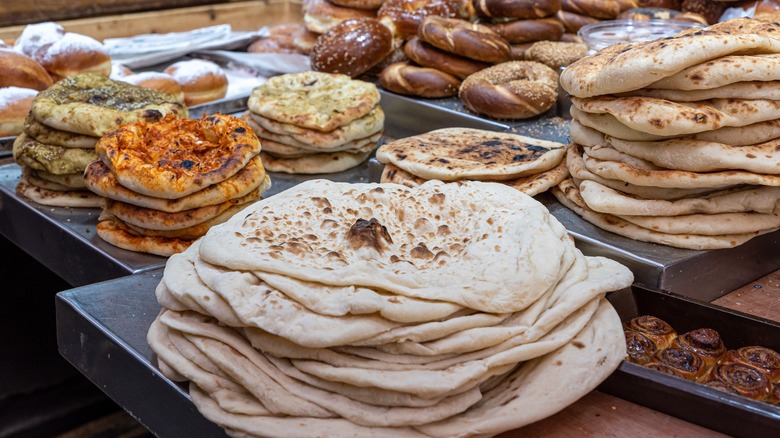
(109, 231)
(758, 89)
(57, 198)
(55, 137)
(68, 180)
(724, 71)
(313, 164)
(53, 159)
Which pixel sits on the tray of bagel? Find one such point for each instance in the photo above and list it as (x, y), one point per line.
(703, 363)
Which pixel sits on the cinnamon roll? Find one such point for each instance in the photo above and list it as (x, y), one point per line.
(683, 362)
(723, 386)
(640, 349)
(774, 395)
(654, 328)
(705, 342)
(765, 359)
(748, 381)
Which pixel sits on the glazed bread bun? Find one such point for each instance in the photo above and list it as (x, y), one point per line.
(73, 54)
(15, 104)
(19, 70)
(34, 36)
(157, 81)
(352, 47)
(321, 16)
(202, 81)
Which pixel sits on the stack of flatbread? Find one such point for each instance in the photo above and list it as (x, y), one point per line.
(380, 310)
(676, 140)
(167, 182)
(458, 154)
(313, 122)
(63, 126)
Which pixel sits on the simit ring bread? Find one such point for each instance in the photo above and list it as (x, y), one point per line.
(429, 56)
(512, 90)
(403, 78)
(472, 40)
(523, 31)
(516, 8)
(404, 17)
(352, 47)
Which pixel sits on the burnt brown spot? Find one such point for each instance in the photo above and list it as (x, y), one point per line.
(421, 252)
(368, 234)
(578, 344)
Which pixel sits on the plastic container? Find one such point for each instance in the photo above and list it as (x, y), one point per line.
(606, 33)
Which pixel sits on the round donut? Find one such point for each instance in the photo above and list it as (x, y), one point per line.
(524, 31)
(157, 81)
(73, 54)
(15, 104)
(573, 22)
(280, 39)
(472, 40)
(555, 54)
(359, 4)
(34, 36)
(201, 81)
(604, 9)
(403, 78)
(516, 9)
(428, 56)
(321, 15)
(352, 47)
(19, 70)
(404, 17)
(512, 90)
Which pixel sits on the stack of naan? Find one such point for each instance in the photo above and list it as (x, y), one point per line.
(167, 182)
(334, 309)
(314, 122)
(457, 154)
(676, 140)
(65, 123)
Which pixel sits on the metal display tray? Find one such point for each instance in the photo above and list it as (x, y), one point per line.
(691, 401)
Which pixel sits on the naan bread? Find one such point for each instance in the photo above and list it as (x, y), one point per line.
(99, 178)
(57, 198)
(118, 236)
(313, 164)
(709, 224)
(292, 145)
(55, 137)
(69, 180)
(395, 175)
(208, 151)
(314, 100)
(52, 159)
(362, 222)
(631, 66)
(452, 154)
(95, 105)
(668, 118)
(186, 233)
(272, 146)
(724, 71)
(757, 89)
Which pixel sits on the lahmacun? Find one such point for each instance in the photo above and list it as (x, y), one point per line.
(176, 157)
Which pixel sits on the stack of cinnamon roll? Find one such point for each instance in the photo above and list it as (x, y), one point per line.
(700, 355)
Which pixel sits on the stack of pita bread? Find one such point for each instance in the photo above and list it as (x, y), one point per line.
(676, 140)
(457, 154)
(314, 122)
(63, 126)
(380, 310)
(167, 182)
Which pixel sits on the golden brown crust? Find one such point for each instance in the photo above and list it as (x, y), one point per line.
(403, 78)
(573, 22)
(555, 54)
(471, 40)
(711, 10)
(512, 90)
(15, 104)
(428, 56)
(19, 70)
(359, 4)
(280, 39)
(157, 81)
(73, 54)
(352, 47)
(320, 16)
(114, 234)
(516, 9)
(406, 16)
(604, 9)
(523, 31)
(176, 157)
(200, 80)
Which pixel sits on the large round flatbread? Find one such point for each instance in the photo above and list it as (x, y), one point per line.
(118, 236)
(710, 224)
(568, 195)
(668, 118)
(363, 222)
(69, 180)
(52, 159)
(48, 135)
(281, 147)
(757, 89)
(99, 178)
(207, 151)
(363, 127)
(313, 164)
(95, 105)
(452, 154)
(724, 71)
(631, 66)
(314, 100)
(187, 233)
(57, 198)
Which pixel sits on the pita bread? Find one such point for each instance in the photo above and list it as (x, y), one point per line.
(608, 153)
(724, 71)
(57, 198)
(605, 200)
(286, 145)
(395, 175)
(313, 100)
(313, 164)
(366, 126)
(568, 195)
(187, 233)
(284, 151)
(452, 154)
(737, 136)
(53, 159)
(95, 105)
(68, 180)
(112, 233)
(759, 89)
(339, 210)
(99, 178)
(55, 137)
(626, 67)
(668, 118)
(709, 224)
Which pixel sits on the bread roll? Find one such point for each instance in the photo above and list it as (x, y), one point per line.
(352, 47)
(157, 81)
(321, 16)
(661, 333)
(748, 381)
(73, 54)
(15, 104)
(19, 70)
(640, 349)
(705, 342)
(762, 358)
(34, 36)
(684, 363)
(201, 81)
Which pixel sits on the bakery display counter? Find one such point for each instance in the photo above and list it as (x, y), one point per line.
(102, 331)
